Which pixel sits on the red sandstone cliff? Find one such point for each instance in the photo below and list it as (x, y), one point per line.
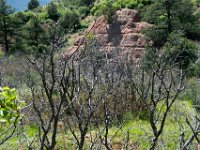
(123, 34)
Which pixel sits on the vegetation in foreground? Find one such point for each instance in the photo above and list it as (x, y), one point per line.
(135, 132)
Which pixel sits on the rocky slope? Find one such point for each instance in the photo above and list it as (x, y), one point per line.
(122, 36)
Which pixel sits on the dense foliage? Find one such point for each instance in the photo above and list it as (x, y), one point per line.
(118, 4)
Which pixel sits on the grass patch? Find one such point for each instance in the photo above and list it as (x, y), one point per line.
(139, 131)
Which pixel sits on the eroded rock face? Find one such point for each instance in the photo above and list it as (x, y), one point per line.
(124, 34)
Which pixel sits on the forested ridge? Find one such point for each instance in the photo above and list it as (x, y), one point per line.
(100, 74)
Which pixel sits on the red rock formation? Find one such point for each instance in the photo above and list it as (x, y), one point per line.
(123, 34)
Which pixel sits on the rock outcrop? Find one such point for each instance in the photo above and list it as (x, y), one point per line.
(124, 34)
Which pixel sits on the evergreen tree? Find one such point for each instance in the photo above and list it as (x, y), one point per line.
(86, 2)
(5, 24)
(33, 34)
(70, 21)
(33, 4)
(169, 16)
(53, 12)
(173, 25)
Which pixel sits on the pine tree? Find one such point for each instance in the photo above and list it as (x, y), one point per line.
(88, 3)
(174, 24)
(169, 16)
(5, 23)
(33, 4)
(70, 21)
(53, 12)
(33, 34)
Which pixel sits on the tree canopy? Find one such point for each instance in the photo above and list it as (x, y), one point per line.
(33, 4)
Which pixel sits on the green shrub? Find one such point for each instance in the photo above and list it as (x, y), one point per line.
(42, 16)
(83, 11)
(191, 92)
(180, 50)
(131, 4)
(23, 16)
(194, 70)
(105, 8)
(118, 4)
(9, 107)
(70, 20)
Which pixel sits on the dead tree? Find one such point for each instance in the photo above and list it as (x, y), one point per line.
(49, 95)
(185, 144)
(164, 84)
(86, 92)
(9, 133)
(156, 84)
(165, 93)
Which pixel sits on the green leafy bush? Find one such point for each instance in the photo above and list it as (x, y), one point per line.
(9, 107)
(105, 8)
(118, 4)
